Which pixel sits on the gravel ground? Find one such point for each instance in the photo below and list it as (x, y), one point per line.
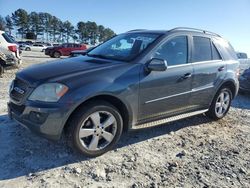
(195, 152)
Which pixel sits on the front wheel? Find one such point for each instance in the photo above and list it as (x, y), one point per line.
(220, 104)
(95, 128)
(57, 55)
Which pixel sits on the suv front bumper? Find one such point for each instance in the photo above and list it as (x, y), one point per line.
(47, 121)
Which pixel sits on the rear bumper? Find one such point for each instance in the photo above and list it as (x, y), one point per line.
(45, 120)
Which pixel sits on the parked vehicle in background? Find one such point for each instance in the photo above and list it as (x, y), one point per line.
(9, 52)
(35, 47)
(245, 81)
(64, 49)
(56, 44)
(241, 55)
(244, 61)
(136, 79)
(76, 53)
(24, 46)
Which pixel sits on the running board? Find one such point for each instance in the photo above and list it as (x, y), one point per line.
(169, 119)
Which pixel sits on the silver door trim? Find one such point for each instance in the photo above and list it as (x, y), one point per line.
(179, 94)
(167, 97)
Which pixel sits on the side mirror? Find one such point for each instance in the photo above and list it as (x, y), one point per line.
(157, 65)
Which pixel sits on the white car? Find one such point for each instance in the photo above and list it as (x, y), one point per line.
(10, 54)
(34, 47)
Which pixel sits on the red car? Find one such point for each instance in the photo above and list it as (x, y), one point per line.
(64, 49)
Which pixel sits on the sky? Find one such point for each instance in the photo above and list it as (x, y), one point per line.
(229, 18)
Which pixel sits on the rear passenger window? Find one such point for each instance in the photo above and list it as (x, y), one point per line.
(216, 55)
(202, 49)
(174, 51)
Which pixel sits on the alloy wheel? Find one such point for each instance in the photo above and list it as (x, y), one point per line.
(222, 103)
(97, 130)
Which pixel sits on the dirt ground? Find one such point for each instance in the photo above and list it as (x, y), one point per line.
(194, 152)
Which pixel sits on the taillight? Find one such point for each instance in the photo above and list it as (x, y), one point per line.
(13, 48)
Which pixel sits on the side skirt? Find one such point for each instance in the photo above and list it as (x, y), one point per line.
(169, 119)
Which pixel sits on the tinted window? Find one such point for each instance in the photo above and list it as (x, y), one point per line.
(225, 49)
(7, 38)
(216, 55)
(174, 51)
(242, 55)
(202, 49)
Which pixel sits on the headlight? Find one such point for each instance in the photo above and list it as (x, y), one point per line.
(50, 92)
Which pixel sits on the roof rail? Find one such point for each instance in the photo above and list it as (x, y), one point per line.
(194, 29)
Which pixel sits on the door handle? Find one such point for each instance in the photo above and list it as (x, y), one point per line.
(186, 76)
(221, 68)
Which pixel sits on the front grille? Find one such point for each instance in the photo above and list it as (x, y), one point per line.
(19, 90)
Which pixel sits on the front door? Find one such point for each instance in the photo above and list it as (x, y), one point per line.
(168, 92)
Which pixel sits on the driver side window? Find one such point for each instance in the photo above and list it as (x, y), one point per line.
(174, 51)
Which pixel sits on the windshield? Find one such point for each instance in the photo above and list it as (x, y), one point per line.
(124, 47)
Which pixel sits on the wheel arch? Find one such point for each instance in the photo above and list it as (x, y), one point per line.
(119, 104)
(231, 85)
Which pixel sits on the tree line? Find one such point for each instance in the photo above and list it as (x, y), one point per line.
(50, 28)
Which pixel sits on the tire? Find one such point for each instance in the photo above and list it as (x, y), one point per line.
(56, 54)
(98, 137)
(1, 70)
(27, 49)
(220, 104)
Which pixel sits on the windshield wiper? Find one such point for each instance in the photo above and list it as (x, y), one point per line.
(98, 56)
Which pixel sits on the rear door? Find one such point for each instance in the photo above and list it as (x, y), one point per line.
(209, 71)
(168, 92)
(70, 47)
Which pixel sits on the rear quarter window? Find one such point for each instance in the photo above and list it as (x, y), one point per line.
(7, 38)
(225, 48)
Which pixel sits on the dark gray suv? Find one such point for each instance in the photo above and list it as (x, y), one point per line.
(136, 79)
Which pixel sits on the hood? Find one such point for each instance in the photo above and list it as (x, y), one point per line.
(40, 73)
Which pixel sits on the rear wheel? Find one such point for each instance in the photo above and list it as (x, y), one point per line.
(57, 55)
(220, 104)
(95, 128)
(28, 49)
